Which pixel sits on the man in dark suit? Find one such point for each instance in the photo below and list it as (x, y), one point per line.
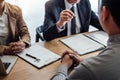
(58, 17)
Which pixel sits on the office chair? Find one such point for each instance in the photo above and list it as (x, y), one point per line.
(39, 35)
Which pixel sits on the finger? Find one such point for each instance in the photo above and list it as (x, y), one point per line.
(21, 43)
(66, 58)
(68, 11)
(69, 52)
(74, 53)
(66, 16)
(75, 61)
(12, 44)
(76, 58)
(17, 48)
(18, 51)
(64, 53)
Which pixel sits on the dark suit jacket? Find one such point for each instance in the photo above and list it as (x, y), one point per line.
(52, 14)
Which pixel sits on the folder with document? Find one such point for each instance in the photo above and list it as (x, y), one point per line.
(38, 56)
(86, 43)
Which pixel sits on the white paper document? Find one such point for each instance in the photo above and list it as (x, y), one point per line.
(82, 44)
(99, 36)
(38, 56)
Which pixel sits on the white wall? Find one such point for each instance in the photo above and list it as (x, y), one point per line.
(94, 5)
(33, 13)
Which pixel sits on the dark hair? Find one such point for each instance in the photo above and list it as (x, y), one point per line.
(113, 6)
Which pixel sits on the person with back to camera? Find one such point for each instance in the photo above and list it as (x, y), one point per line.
(104, 66)
(14, 35)
(68, 17)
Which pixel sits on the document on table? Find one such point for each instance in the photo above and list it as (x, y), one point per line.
(82, 44)
(38, 56)
(99, 36)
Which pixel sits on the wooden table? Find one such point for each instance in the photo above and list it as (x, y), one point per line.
(24, 71)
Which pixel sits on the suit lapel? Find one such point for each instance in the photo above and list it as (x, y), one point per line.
(12, 22)
(62, 4)
(81, 16)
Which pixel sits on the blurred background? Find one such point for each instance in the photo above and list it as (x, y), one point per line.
(33, 13)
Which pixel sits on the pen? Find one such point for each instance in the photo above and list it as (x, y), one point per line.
(37, 59)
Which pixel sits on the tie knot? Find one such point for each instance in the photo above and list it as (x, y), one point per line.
(72, 9)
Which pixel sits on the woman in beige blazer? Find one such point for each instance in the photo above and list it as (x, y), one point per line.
(14, 35)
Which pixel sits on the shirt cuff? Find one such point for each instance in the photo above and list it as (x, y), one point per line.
(60, 29)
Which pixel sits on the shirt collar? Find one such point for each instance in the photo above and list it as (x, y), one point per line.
(115, 39)
(68, 5)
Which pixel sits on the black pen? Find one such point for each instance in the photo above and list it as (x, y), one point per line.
(32, 57)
